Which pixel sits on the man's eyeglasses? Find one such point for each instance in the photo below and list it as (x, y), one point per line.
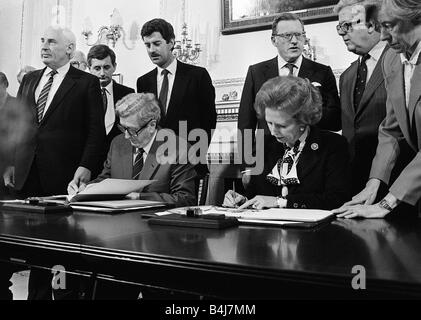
(346, 27)
(132, 132)
(288, 35)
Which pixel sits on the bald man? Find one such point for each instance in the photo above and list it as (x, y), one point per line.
(67, 135)
(66, 142)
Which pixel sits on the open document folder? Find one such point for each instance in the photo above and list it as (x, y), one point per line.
(109, 189)
(273, 216)
(114, 206)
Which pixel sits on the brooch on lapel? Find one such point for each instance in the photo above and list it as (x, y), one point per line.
(314, 146)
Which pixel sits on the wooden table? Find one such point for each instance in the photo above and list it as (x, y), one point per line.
(241, 262)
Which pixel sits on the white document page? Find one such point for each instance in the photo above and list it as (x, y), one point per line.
(116, 186)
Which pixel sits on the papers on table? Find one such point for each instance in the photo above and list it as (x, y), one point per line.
(273, 216)
(110, 189)
(115, 205)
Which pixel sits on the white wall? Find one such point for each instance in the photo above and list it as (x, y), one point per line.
(225, 56)
(10, 26)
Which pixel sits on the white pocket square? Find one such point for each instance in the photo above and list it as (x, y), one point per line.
(316, 84)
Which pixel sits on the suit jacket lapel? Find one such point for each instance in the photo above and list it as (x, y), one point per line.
(396, 94)
(271, 69)
(126, 159)
(151, 164)
(181, 81)
(349, 81)
(310, 155)
(373, 83)
(306, 69)
(33, 86)
(65, 86)
(415, 92)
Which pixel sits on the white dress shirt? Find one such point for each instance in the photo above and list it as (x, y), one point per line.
(109, 118)
(375, 54)
(57, 80)
(408, 70)
(172, 68)
(284, 71)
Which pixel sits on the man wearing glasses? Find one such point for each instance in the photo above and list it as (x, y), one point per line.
(400, 22)
(363, 94)
(79, 60)
(140, 153)
(288, 37)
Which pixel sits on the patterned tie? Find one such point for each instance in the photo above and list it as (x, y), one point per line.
(138, 164)
(43, 96)
(290, 67)
(163, 95)
(361, 79)
(104, 99)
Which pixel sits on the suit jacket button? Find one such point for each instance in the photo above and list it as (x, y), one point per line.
(295, 205)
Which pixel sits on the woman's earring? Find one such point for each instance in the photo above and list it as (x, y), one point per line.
(302, 129)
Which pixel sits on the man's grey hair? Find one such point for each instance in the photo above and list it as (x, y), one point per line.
(404, 10)
(371, 7)
(144, 105)
(68, 35)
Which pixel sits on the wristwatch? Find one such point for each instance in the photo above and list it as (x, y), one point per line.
(385, 205)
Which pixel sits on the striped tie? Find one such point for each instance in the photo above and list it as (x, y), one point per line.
(138, 164)
(43, 96)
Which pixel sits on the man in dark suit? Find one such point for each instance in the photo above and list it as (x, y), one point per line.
(67, 131)
(102, 63)
(65, 142)
(363, 94)
(139, 116)
(288, 36)
(185, 91)
(401, 27)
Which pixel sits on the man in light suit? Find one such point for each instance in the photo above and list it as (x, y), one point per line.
(401, 28)
(288, 37)
(363, 100)
(185, 91)
(102, 63)
(67, 131)
(143, 143)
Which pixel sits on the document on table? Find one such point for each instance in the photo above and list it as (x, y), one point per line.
(115, 205)
(272, 215)
(109, 189)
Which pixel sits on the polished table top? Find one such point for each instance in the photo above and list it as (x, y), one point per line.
(389, 250)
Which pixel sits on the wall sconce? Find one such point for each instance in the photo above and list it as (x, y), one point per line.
(109, 35)
(183, 49)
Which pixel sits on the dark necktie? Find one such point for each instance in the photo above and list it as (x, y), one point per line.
(104, 99)
(290, 67)
(138, 164)
(43, 96)
(163, 95)
(361, 80)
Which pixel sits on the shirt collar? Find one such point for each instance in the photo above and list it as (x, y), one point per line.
(62, 71)
(109, 88)
(172, 68)
(414, 58)
(282, 62)
(376, 52)
(149, 145)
